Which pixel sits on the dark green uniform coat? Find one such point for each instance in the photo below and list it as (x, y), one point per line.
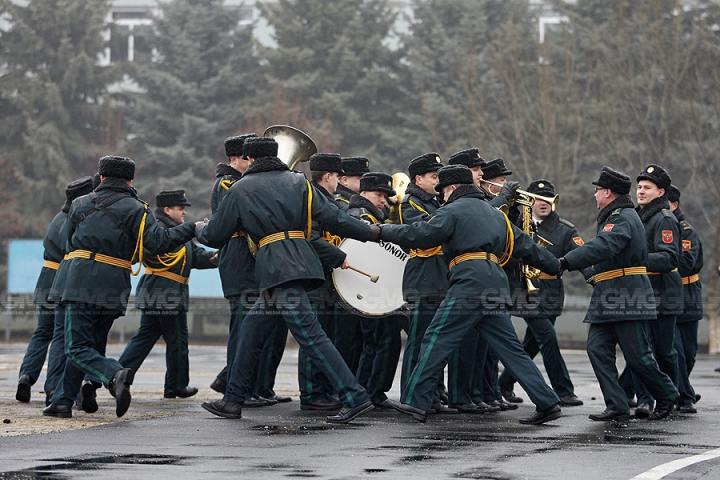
(235, 261)
(244, 208)
(53, 252)
(616, 246)
(159, 293)
(664, 248)
(90, 282)
(691, 262)
(424, 276)
(342, 197)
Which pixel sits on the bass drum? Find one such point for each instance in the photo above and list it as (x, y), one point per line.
(357, 293)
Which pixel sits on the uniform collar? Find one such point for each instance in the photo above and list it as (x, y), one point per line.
(358, 201)
(418, 192)
(225, 169)
(266, 164)
(112, 183)
(652, 208)
(344, 191)
(464, 191)
(623, 201)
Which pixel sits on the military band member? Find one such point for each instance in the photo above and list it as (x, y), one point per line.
(425, 277)
(381, 336)
(236, 264)
(540, 309)
(353, 169)
(163, 297)
(276, 207)
(316, 390)
(686, 328)
(103, 233)
(49, 314)
(664, 248)
(477, 238)
(622, 301)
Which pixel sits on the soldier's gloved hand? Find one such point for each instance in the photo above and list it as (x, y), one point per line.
(508, 190)
(563, 266)
(375, 231)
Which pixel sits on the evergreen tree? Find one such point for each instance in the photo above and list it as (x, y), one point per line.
(195, 92)
(53, 98)
(335, 72)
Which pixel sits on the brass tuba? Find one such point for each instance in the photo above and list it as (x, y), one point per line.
(294, 146)
(400, 181)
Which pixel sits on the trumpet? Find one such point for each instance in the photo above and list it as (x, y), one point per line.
(527, 198)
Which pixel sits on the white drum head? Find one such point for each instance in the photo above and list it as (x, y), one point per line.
(361, 295)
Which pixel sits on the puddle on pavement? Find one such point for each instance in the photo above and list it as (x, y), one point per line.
(55, 470)
(290, 429)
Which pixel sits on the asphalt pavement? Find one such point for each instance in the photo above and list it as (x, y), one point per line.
(175, 438)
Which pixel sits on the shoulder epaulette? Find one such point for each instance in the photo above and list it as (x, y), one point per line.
(667, 213)
(617, 211)
(562, 220)
(341, 198)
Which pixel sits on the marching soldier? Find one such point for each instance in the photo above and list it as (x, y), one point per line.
(163, 297)
(381, 337)
(50, 316)
(316, 390)
(286, 265)
(353, 169)
(622, 302)
(664, 248)
(236, 264)
(686, 328)
(425, 276)
(103, 233)
(477, 238)
(540, 309)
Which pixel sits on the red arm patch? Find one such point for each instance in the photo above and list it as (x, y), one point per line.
(686, 245)
(608, 227)
(578, 241)
(667, 236)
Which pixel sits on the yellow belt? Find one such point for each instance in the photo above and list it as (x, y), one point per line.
(430, 252)
(660, 273)
(169, 275)
(473, 256)
(620, 272)
(99, 257)
(547, 276)
(690, 279)
(51, 264)
(276, 237)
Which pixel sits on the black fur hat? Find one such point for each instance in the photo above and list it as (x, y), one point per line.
(171, 198)
(673, 194)
(613, 180)
(454, 175)
(495, 168)
(118, 167)
(429, 162)
(77, 188)
(355, 166)
(258, 147)
(657, 175)
(542, 187)
(234, 145)
(470, 158)
(377, 182)
(326, 162)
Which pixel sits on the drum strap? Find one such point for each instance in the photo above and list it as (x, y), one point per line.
(473, 256)
(276, 237)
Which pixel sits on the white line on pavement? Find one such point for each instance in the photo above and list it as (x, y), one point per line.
(667, 468)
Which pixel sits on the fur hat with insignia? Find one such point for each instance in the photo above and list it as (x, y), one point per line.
(355, 166)
(77, 188)
(326, 162)
(542, 187)
(657, 175)
(470, 158)
(117, 167)
(171, 198)
(495, 168)
(673, 194)
(377, 182)
(234, 145)
(613, 180)
(454, 175)
(429, 162)
(258, 147)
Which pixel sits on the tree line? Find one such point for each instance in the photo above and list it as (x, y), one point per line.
(619, 83)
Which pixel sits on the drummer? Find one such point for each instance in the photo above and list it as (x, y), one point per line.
(381, 336)
(425, 278)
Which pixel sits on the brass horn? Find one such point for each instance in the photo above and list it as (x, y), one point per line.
(400, 181)
(294, 146)
(528, 197)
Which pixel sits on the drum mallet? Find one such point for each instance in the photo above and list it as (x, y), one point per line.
(373, 278)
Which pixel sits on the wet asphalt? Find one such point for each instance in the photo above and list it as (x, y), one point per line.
(284, 442)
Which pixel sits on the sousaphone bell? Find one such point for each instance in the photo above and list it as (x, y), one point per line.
(294, 146)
